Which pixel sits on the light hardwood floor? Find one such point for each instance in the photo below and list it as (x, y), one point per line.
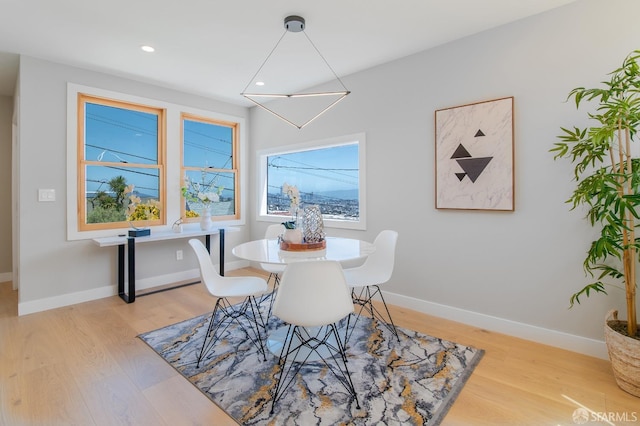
(83, 365)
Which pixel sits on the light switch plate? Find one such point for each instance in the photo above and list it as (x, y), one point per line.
(46, 194)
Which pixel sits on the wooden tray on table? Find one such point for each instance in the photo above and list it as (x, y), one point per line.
(303, 246)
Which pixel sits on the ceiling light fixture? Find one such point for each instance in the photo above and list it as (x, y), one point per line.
(147, 49)
(280, 103)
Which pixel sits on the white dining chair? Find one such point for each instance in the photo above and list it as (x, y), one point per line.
(245, 314)
(365, 280)
(312, 299)
(275, 270)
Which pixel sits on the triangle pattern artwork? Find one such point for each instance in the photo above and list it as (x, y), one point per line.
(460, 152)
(472, 167)
(474, 148)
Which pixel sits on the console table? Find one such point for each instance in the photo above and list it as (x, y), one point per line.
(130, 242)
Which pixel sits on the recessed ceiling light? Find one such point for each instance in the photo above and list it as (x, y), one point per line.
(148, 49)
(259, 83)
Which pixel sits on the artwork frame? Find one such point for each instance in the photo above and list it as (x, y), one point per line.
(474, 156)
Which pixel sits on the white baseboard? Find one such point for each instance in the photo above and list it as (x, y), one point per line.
(147, 283)
(583, 345)
(5, 276)
(592, 347)
(47, 303)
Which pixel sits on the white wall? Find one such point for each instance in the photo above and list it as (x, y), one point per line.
(510, 271)
(54, 271)
(6, 108)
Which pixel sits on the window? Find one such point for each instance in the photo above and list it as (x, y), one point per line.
(146, 146)
(120, 176)
(329, 173)
(210, 161)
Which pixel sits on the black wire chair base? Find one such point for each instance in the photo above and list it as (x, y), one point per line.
(246, 315)
(303, 344)
(364, 299)
(272, 294)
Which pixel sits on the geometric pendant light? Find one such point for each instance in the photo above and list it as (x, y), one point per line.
(273, 86)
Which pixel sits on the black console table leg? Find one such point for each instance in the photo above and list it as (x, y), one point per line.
(121, 271)
(130, 259)
(131, 272)
(222, 252)
(131, 246)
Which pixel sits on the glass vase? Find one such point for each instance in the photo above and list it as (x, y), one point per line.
(205, 218)
(312, 224)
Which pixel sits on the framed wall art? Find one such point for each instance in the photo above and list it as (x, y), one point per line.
(474, 156)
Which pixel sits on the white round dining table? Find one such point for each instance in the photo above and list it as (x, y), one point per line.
(268, 251)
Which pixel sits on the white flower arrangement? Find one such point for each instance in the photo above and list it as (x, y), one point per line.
(201, 192)
(294, 197)
(294, 203)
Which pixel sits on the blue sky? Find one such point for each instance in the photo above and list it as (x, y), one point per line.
(128, 137)
(125, 136)
(328, 169)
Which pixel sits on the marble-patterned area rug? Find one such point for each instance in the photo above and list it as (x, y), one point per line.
(413, 381)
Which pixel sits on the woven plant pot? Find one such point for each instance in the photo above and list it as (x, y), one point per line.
(624, 353)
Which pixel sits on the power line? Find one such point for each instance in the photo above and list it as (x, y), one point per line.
(311, 168)
(208, 136)
(305, 167)
(120, 152)
(122, 125)
(205, 148)
(325, 177)
(101, 182)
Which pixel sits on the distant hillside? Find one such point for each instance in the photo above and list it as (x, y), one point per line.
(344, 194)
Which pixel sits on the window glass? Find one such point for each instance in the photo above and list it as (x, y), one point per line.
(110, 200)
(123, 171)
(210, 168)
(120, 135)
(207, 144)
(328, 175)
(120, 172)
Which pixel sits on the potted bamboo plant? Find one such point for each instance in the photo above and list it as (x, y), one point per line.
(608, 181)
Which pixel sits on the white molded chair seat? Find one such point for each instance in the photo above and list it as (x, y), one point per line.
(273, 231)
(312, 298)
(245, 314)
(365, 280)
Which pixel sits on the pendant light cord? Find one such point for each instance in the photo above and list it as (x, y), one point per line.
(325, 61)
(265, 61)
(274, 49)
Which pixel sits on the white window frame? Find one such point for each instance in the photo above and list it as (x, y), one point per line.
(261, 158)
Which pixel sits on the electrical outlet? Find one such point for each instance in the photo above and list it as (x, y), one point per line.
(179, 255)
(46, 195)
